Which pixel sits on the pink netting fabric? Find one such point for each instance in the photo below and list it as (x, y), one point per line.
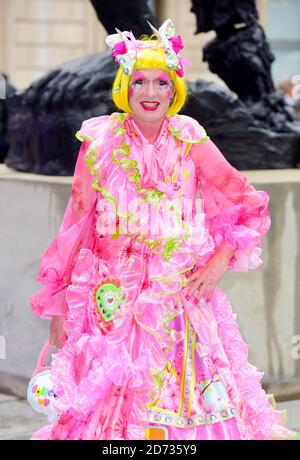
(236, 212)
(257, 418)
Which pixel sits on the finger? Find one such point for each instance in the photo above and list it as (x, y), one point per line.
(193, 297)
(203, 289)
(209, 292)
(198, 284)
(212, 290)
(62, 340)
(191, 278)
(59, 342)
(195, 275)
(192, 287)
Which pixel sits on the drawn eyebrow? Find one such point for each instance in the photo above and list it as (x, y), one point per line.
(140, 75)
(162, 77)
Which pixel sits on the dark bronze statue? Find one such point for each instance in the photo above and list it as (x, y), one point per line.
(251, 124)
(259, 130)
(6, 91)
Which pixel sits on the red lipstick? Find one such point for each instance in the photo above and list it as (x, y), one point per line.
(148, 105)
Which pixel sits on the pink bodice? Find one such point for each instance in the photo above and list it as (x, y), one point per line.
(115, 158)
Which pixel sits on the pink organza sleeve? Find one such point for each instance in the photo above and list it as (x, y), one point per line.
(75, 232)
(237, 214)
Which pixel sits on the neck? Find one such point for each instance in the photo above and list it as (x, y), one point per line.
(150, 129)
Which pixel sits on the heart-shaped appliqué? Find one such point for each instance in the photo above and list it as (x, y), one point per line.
(108, 298)
(177, 336)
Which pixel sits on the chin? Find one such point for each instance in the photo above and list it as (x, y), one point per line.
(142, 114)
(151, 116)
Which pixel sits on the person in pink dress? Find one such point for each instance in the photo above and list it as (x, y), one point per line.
(148, 346)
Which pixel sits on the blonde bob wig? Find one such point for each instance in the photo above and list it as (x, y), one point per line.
(149, 58)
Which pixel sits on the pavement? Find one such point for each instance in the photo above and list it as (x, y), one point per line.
(18, 420)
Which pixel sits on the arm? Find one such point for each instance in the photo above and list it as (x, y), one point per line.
(75, 232)
(237, 214)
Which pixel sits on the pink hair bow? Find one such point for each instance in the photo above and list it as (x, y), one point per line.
(177, 43)
(125, 47)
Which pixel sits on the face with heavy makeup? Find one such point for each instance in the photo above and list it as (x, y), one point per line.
(150, 94)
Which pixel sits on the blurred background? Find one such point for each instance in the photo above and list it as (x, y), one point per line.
(35, 37)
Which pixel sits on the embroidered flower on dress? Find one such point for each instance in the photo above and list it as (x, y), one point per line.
(170, 392)
(78, 196)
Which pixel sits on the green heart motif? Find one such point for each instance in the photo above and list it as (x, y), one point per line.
(109, 298)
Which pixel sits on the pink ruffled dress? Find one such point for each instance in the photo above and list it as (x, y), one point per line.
(139, 354)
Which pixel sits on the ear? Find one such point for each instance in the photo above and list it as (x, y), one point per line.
(173, 90)
(172, 98)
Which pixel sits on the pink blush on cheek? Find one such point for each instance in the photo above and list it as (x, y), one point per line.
(134, 88)
(131, 91)
(167, 93)
(166, 89)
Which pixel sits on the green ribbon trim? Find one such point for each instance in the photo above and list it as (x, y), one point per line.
(176, 133)
(121, 157)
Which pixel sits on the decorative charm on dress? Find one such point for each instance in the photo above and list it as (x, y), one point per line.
(108, 300)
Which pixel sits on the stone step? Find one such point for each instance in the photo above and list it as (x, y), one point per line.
(18, 420)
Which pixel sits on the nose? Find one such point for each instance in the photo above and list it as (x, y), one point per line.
(150, 89)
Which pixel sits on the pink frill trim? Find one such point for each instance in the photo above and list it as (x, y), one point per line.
(242, 228)
(48, 302)
(102, 379)
(257, 418)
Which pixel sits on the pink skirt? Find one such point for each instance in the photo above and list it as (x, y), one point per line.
(140, 355)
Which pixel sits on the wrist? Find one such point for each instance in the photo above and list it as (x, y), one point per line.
(226, 251)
